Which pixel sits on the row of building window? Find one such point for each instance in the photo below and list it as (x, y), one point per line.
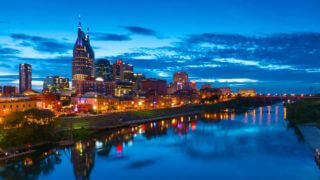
(17, 106)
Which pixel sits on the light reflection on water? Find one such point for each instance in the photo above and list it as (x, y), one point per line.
(253, 145)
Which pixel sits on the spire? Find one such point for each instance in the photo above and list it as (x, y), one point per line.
(87, 34)
(79, 21)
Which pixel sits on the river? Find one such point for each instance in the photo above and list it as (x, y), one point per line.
(254, 145)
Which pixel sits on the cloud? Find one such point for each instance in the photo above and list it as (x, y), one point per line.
(42, 44)
(142, 31)
(204, 66)
(232, 80)
(293, 49)
(254, 63)
(109, 37)
(8, 51)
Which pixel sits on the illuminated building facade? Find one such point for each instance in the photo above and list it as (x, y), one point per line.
(55, 84)
(180, 80)
(247, 92)
(83, 58)
(122, 71)
(25, 77)
(209, 92)
(13, 104)
(123, 88)
(103, 70)
(225, 90)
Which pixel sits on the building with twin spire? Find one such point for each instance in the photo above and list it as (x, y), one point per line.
(83, 59)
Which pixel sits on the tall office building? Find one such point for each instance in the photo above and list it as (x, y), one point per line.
(180, 77)
(180, 80)
(25, 77)
(103, 70)
(83, 58)
(122, 71)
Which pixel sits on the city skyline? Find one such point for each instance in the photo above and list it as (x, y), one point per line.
(274, 55)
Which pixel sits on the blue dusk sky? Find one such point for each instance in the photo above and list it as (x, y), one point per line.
(270, 45)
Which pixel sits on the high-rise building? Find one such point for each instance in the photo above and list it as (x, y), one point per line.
(55, 84)
(25, 77)
(181, 79)
(103, 70)
(128, 74)
(122, 71)
(83, 58)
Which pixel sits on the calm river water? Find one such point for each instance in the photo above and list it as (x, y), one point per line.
(254, 145)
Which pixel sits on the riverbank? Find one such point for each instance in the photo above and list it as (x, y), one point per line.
(304, 112)
(305, 117)
(311, 135)
(68, 130)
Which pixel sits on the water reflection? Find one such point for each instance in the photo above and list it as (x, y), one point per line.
(210, 137)
(82, 157)
(32, 167)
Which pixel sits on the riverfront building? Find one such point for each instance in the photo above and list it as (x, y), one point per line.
(83, 58)
(247, 92)
(13, 104)
(25, 77)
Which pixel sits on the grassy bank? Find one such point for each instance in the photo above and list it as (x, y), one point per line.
(304, 111)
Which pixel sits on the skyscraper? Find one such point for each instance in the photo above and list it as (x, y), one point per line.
(180, 79)
(83, 58)
(122, 71)
(103, 70)
(25, 77)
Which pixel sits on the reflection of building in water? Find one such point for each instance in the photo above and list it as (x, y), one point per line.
(218, 116)
(83, 155)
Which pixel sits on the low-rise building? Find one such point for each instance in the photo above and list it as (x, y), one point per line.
(94, 101)
(204, 86)
(209, 92)
(247, 92)
(154, 87)
(123, 88)
(225, 90)
(10, 91)
(9, 105)
(55, 84)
